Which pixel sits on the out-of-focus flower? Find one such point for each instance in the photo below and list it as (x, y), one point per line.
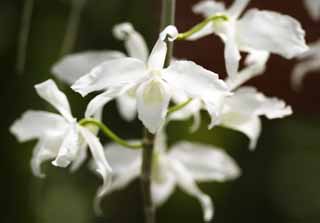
(60, 137)
(152, 84)
(71, 67)
(256, 30)
(241, 112)
(313, 7)
(310, 63)
(183, 165)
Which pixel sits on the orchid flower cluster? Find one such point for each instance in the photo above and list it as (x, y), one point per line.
(143, 85)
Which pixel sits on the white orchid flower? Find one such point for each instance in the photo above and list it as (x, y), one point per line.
(257, 30)
(313, 7)
(183, 165)
(310, 63)
(152, 84)
(60, 137)
(71, 67)
(241, 112)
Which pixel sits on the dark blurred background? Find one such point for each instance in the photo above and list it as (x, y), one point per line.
(280, 180)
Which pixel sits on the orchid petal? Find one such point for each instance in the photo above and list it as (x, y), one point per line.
(301, 70)
(205, 31)
(69, 148)
(102, 165)
(46, 149)
(188, 185)
(237, 8)
(255, 65)
(153, 98)
(49, 91)
(163, 181)
(112, 73)
(273, 32)
(71, 67)
(158, 55)
(125, 164)
(134, 42)
(127, 106)
(34, 124)
(97, 103)
(231, 54)
(204, 162)
(248, 125)
(208, 8)
(201, 84)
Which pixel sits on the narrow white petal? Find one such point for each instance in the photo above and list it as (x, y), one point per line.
(112, 73)
(125, 164)
(46, 149)
(248, 100)
(198, 83)
(158, 55)
(102, 166)
(163, 180)
(80, 157)
(208, 8)
(188, 185)
(98, 102)
(69, 148)
(71, 67)
(313, 7)
(273, 32)
(231, 54)
(34, 124)
(204, 162)
(127, 106)
(153, 98)
(248, 125)
(238, 7)
(49, 91)
(301, 70)
(255, 65)
(134, 42)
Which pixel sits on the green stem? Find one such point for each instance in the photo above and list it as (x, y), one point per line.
(175, 108)
(72, 26)
(109, 133)
(24, 35)
(200, 26)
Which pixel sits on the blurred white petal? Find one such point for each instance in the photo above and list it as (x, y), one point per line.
(204, 162)
(208, 8)
(71, 67)
(313, 7)
(127, 106)
(188, 185)
(133, 41)
(34, 124)
(237, 8)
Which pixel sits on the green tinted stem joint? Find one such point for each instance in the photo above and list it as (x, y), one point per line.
(107, 132)
(200, 26)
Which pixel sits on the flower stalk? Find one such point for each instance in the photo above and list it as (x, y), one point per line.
(167, 18)
(72, 26)
(24, 35)
(201, 25)
(109, 133)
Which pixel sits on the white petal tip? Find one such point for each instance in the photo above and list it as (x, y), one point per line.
(169, 32)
